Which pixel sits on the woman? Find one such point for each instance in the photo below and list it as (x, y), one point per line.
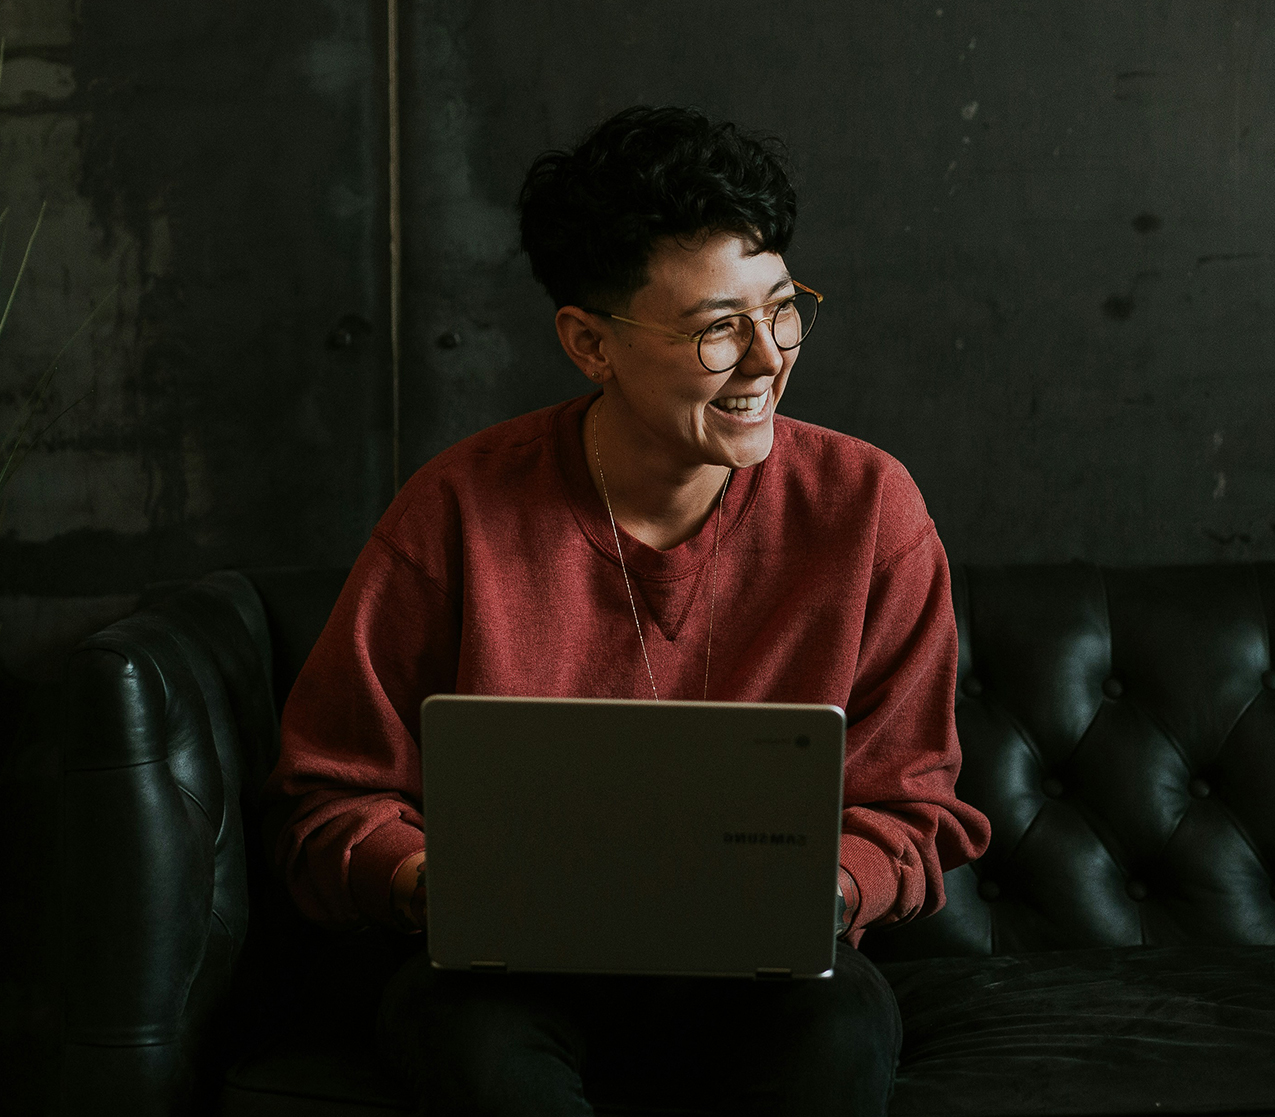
(666, 536)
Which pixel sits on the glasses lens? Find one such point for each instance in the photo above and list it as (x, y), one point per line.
(793, 319)
(723, 345)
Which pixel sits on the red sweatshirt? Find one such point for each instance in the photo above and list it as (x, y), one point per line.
(494, 572)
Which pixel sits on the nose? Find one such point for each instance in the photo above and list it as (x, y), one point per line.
(764, 357)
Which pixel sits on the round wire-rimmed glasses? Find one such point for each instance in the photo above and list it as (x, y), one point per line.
(724, 342)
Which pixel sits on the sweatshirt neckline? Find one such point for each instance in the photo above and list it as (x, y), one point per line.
(591, 514)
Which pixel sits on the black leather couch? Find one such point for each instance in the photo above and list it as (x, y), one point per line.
(1113, 952)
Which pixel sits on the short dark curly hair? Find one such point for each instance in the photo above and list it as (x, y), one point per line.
(590, 217)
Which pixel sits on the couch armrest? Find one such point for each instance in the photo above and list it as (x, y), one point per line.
(170, 721)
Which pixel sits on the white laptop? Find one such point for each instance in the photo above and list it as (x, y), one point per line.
(631, 837)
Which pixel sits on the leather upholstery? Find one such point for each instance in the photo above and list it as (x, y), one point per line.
(1097, 1032)
(170, 719)
(1118, 728)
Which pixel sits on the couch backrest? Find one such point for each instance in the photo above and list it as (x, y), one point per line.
(1118, 729)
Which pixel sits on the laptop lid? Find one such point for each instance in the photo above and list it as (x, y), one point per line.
(631, 837)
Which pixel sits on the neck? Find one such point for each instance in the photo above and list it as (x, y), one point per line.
(653, 499)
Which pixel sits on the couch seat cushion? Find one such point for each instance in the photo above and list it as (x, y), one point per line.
(1138, 1030)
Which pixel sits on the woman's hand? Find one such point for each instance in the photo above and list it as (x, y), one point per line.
(847, 904)
(408, 894)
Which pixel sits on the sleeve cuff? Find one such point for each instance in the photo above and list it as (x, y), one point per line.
(373, 863)
(874, 875)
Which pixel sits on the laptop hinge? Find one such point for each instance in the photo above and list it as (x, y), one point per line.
(770, 973)
(493, 967)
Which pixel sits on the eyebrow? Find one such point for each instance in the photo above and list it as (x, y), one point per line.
(734, 304)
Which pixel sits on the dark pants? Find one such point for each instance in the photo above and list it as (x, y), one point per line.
(547, 1045)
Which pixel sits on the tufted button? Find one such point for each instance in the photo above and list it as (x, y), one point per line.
(1114, 688)
(1136, 890)
(1199, 788)
(989, 890)
(1052, 786)
(1268, 680)
(972, 687)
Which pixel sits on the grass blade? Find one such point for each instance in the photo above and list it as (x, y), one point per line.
(22, 267)
(15, 459)
(13, 441)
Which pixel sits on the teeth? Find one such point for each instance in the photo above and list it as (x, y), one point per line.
(742, 403)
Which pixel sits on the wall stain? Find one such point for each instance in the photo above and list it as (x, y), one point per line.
(1228, 539)
(1119, 307)
(1129, 83)
(1227, 257)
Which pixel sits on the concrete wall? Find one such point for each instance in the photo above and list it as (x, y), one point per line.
(214, 172)
(1043, 229)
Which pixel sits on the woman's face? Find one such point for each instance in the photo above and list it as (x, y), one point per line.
(673, 404)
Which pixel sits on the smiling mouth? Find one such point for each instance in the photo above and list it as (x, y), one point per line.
(746, 407)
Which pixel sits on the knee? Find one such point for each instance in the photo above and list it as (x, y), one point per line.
(476, 1054)
(865, 1014)
(852, 1031)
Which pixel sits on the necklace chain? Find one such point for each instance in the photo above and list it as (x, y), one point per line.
(712, 599)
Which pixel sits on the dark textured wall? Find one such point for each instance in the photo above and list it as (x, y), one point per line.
(1043, 229)
(215, 171)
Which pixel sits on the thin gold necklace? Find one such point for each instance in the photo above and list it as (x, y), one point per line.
(712, 599)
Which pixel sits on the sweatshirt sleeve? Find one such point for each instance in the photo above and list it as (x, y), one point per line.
(347, 788)
(902, 825)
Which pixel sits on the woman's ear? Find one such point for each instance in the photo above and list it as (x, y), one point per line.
(582, 338)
